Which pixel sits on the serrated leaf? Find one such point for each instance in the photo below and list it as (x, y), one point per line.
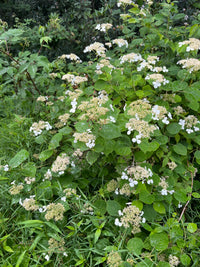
(32, 69)
(145, 146)
(20, 157)
(192, 227)
(185, 259)
(91, 157)
(110, 131)
(135, 245)
(159, 241)
(44, 155)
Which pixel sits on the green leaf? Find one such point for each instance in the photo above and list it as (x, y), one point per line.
(8, 249)
(53, 226)
(173, 128)
(20, 259)
(55, 141)
(44, 155)
(192, 227)
(109, 146)
(135, 246)
(146, 197)
(138, 204)
(163, 264)
(180, 149)
(112, 207)
(110, 131)
(32, 69)
(185, 259)
(91, 157)
(29, 169)
(196, 195)
(180, 195)
(97, 235)
(31, 223)
(20, 157)
(159, 241)
(82, 126)
(159, 207)
(100, 205)
(145, 146)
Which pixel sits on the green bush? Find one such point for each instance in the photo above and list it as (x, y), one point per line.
(101, 158)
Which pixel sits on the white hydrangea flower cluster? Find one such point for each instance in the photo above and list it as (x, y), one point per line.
(164, 185)
(150, 64)
(37, 128)
(192, 44)
(97, 47)
(120, 42)
(42, 98)
(142, 127)
(132, 217)
(30, 204)
(124, 2)
(48, 175)
(158, 79)
(104, 63)
(132, 57)
(159, 112)
(173, 261)
(60, 164)
(103, 27)
(87, 137)
(189, 124)
(29, 180)
(192, 64)
(72, 57)
(74, 80)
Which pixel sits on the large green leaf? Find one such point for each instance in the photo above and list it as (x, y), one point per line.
(55, 141)
(112, 207)
(44, 155)
(110, 131)
(145, 146)
(135, 245)
(20, 157)
(159, 241)
(180, 149)
(91, 157)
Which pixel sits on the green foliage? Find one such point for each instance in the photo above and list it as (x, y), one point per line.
(100, 158)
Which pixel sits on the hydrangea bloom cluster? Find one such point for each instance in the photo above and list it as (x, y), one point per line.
(114, 259)
(158, 79)
(93, 109)
(192, 44)
(103, 63)
(56, 246)
(142, 127)
(87, 137)
(139, 109)
(72, 57)
(112, 185)
(103, 27)
(179, 110)
(132, 57)
(173, 261)
(48, 175)
(42, 98)
(74, 80)
(54, 211)
(64, 118)
(29, 180)
(137, 173)
(74, 96)
(124, 2)
(159, 112)
(131, 216)
(60, 164)
(191, 64)
(172, 165)
(97, 47)
(189, 124)
(16, 189)
(164, 185)
(37, 127)
(120, 42)
(87, 209)
(30, 204)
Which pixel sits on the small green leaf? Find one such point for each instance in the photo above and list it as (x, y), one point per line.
(55, 141)
(135, 246)
(138, 204)
(192, 227)
(185, 259)
(91, 157)
(31, 223)
(97, 235)
(159, 241)
(44, 155)
(20, 259)
(163, 264)
(8, 249)
(196, 195)
(20, 157)
(159, 207)
(180, 149)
